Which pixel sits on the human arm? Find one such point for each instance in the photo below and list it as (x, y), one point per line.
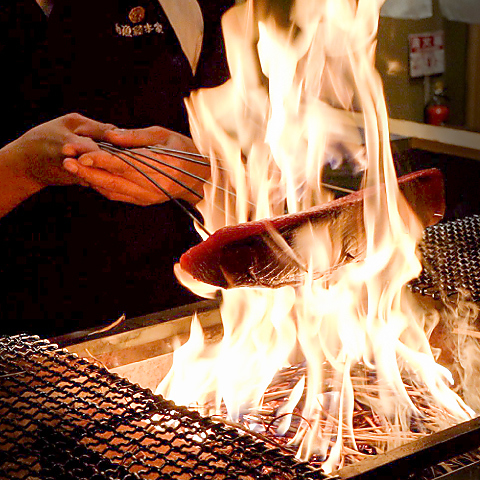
(34, 160)
(116, 180)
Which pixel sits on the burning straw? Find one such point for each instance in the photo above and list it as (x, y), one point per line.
(374, 433)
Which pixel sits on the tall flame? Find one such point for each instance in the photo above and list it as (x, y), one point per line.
(304, 93)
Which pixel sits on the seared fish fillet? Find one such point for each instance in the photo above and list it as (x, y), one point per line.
(268, 253)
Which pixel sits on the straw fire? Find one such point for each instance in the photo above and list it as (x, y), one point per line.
(314, 356)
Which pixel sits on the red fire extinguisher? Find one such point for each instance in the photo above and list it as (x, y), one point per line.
(437, 110)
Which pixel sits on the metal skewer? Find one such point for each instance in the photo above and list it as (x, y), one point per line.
(118, 153)
(196, 158)
(172, 153)
(139, 157)
(183, 156)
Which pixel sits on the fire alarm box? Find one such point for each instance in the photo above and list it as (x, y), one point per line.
(426, 54)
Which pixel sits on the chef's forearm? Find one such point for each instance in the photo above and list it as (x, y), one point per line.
(15, 186)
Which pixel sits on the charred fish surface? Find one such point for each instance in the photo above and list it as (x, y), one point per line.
(270, 252)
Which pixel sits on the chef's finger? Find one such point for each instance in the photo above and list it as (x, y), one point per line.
(140, 137)
(98, 178)
(81, 125)
(77, 145)
(105, 161)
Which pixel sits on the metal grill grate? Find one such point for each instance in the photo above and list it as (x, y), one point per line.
(65, 418)
(451, 259)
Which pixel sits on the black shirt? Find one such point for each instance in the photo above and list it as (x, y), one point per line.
(69, 258)
(130, 73)
(23, 30)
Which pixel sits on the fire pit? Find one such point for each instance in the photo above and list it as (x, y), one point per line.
(65, 417)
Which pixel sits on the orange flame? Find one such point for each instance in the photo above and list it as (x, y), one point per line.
(303, 93)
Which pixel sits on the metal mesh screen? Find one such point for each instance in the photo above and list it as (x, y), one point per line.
(65, 418)
(451, 259)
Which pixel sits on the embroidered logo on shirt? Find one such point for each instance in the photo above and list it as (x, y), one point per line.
(136, 28)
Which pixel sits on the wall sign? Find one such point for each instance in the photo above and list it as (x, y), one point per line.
(426, 54)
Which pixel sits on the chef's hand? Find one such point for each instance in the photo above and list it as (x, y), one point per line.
(119, 181)
(39, 152)
(34, 160)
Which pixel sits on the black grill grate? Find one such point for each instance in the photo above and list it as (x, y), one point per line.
(65, 418)
(451, 259)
